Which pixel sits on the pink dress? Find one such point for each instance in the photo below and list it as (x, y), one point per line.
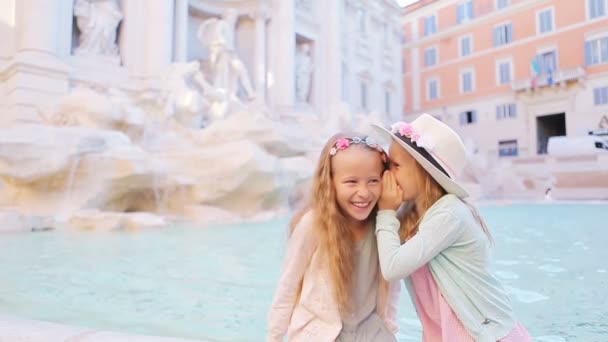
(439, 322)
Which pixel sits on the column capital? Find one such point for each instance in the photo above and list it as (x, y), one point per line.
(262, 10)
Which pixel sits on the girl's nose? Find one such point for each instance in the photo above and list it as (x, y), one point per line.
(364, 191)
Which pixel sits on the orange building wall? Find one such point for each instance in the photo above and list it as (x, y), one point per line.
(569, 44)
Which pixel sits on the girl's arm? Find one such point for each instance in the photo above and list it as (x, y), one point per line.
(394, 289)
(300, 248)
(436, 233)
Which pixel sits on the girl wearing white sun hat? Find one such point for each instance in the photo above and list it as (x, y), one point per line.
(438, 243)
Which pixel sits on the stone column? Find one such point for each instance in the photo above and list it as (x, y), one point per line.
(180, 38)
(260, 16)
(38, 75)
(328, 74)
(7, 32)
(418, 89)
(282, 55)
(146, 36)
(37, 26)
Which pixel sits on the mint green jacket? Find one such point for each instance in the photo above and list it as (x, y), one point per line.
(457, 251)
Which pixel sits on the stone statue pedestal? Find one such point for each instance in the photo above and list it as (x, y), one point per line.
(94, 59)
(94, 70)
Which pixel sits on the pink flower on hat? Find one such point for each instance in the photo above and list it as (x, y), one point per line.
(342, 143)
(406, 129)
(415, 136)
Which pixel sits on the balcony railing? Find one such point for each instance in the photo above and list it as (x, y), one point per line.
(559, 78)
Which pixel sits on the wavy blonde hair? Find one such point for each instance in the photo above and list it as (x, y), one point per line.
(431, 193)
(334, 235)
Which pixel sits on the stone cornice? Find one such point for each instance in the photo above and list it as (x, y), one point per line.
(243, 7)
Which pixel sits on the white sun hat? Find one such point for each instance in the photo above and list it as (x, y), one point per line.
(434, 145)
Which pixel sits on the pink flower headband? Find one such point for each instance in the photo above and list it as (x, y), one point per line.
(344, 143)
(407, 130)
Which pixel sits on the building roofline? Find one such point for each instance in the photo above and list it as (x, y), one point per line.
(418, 5)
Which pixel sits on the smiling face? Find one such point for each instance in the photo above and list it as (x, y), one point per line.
(357, 173)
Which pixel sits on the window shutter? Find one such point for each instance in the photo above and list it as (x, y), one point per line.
(588, 52)
(460, 13)
(474, 116)
(604, 50)
(470, 9)
(509, 36)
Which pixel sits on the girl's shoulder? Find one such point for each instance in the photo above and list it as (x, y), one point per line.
(305, 228)
(449, 205)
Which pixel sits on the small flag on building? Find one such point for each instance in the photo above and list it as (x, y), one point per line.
(535, 69)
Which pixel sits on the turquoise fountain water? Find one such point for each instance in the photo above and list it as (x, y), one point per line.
(216, 283)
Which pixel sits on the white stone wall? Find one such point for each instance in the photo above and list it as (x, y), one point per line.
(370, 58)
(576, 101)
(154, 34)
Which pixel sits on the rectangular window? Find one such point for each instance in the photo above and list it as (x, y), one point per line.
(502, 3)
(504, 73)
(387, 103)
(430, 25)
(430, 57)
(363, 96)
(600, 96)
(465, 46)
(503, 34)
(544, 21)
(467, 81)
(433, 89)
(386, 33)
(547, 62)
(596, 51)
(361, 20)
(507, 148)
(468, 117)
(464, 11)
(597, 8)
(506, 111)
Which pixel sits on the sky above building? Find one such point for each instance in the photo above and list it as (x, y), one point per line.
(405, 2)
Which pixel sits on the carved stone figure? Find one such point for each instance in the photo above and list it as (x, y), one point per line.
(226, 70)
(303, 69)
(182, 100)
(97, 21)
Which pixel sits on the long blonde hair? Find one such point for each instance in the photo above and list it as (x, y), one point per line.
(334, 235)
(431, 193)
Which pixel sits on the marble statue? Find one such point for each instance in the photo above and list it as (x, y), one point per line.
(226, 70)
(97, 21)
(303, 70)
(181, 97)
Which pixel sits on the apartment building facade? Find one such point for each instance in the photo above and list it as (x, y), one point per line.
(508, 74)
